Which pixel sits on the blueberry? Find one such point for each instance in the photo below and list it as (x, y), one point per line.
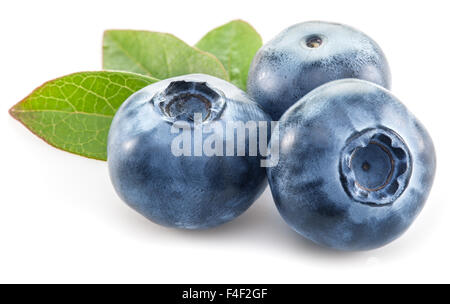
(307, 55)
(355, 166)
(186, 190)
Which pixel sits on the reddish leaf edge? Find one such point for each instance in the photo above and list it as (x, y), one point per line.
(12, 112)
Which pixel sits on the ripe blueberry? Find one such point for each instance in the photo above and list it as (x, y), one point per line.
(187, 190)
(355, 166)
(307, 55)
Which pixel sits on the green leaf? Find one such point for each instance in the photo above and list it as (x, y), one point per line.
(235, 44)
(156, 54)
(74, 112)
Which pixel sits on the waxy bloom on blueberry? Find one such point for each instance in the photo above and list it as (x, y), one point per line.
(355, 166)
(307, 55)
(189, 190)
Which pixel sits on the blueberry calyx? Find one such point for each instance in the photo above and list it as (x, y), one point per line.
(314, 41)
(375, 166)
(181, 100)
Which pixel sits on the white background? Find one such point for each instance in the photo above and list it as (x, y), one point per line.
(61, 221)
